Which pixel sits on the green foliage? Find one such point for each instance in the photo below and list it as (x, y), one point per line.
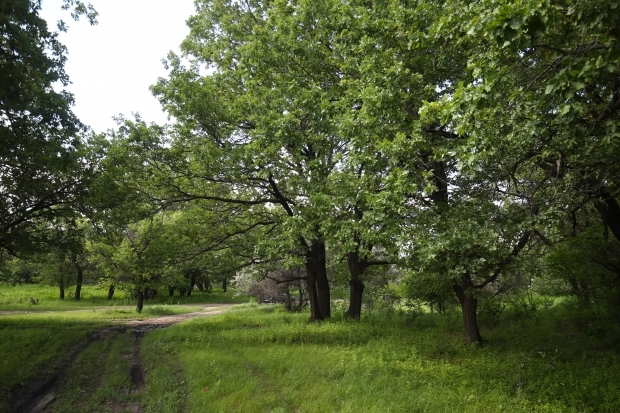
(46, 167)
(589, 264)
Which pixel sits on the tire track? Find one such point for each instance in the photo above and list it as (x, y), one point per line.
(39, 393)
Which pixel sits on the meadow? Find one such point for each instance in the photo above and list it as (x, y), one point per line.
(260, 358)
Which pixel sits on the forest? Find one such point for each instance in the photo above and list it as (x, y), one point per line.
(350, 159)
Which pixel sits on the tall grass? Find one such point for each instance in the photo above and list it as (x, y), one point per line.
(264, 360)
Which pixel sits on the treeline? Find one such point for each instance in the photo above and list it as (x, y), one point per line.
(472, 146)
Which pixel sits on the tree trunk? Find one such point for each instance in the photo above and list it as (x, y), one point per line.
(192, 281)
(311, 275)
(170, 291)
(61, 285)
(469, 307)
(80, 276)
(300, 303)
(289, 304)
(140, 305)
(224, 284)
(356, 286)
(111, 292)
(609, 210)
(322, 284)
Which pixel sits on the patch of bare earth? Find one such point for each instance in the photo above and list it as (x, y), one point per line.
(38, 394)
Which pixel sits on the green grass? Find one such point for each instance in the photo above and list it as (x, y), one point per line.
(38, 297)
(35, 337)
(167, 389)
(265, 360)
(262, 359)
(99, 379)
(31, 345)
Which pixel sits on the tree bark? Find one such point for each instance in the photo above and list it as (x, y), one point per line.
(469, 307)
(170, 291)
(311, 275)
(224, 284)
(111, 292)
(356, 286)
(289, 303)
(322, 284)
(192, 281)
(300, 303)
(609, 210)
(140, 305)
(80, 277)
(61, 285)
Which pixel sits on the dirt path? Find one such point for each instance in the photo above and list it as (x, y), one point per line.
(39, 394)
(109, 307)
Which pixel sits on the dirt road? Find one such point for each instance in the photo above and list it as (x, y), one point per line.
(40, 393)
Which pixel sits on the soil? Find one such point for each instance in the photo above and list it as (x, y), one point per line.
(39, 394)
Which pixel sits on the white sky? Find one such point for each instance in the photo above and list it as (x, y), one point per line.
(111, 65)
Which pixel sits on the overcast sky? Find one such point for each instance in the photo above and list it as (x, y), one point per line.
(111, 65)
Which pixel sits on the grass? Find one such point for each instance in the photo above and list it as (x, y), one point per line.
(35, 337)
(99, 379)
(265, 360)
(262, 359)
(31, 346)
(37, 297)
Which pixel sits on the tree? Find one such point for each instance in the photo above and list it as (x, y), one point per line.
(533, 120)
(258, 127)
(67, 253)
(42, 172)
(139, 167)
(545, 76)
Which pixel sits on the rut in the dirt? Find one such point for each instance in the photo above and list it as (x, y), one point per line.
(39, 394)
(36, 395)
(136, 372)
